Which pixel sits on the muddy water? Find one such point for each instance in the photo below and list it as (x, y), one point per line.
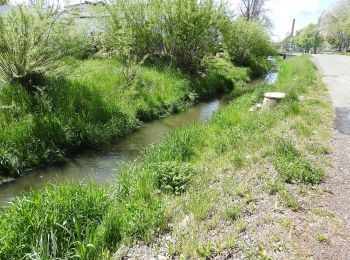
(102, 165)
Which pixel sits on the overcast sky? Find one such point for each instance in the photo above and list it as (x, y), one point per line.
(282, 13)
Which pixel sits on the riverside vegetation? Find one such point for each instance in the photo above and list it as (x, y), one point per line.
(54, 104)
(243, 158)
(163, 56)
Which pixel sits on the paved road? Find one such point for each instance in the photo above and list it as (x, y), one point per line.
(336, 74)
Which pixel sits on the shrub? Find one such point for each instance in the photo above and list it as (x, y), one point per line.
(181, 32)
(248, 45)
(35, 39)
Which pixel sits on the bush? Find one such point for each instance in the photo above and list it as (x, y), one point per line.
(181, 32)
(35, 39)
(248, 45)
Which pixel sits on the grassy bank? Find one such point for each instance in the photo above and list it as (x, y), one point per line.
(94, 106)
(216, 183)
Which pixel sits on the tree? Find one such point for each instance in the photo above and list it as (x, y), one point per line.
(255, 10)
(35, 40)
(337, 26)
(308, 38)
(4, 2)
(178, 32)
(249, 45)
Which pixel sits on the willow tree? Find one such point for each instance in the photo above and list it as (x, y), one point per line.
(36, 39)
(178, 32)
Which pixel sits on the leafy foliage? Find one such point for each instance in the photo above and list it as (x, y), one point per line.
(308, 38)
(337, 25)
(173, 176)
(181, 32)
(49, 226)
(35, 39)
(248, 45)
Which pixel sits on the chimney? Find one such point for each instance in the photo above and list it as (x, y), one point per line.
(293, 27)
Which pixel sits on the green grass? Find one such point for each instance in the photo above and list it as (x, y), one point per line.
(293, 166)
(178, 177)
(57, 222)
(90, 108)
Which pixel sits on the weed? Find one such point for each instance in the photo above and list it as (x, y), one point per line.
(207, 250)
(293, 166)
(273, 186)
(233, 213)
(322, 238)
(51, 225)
(249, 196)
(288, 200)
(287, 222)
(241, 226)
(172, 176)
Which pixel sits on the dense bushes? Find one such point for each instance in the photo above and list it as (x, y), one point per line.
(179, 32)
(248, 45)
(35, 39)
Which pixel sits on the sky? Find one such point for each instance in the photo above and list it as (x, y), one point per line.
(282, 13)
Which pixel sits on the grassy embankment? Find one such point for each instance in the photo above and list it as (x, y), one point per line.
(92, 107)
(225, 178)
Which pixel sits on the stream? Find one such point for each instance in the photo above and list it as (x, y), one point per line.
(102, 165)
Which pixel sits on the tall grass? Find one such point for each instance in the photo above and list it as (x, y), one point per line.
(89, 221)
(57, 222)
(88, 109)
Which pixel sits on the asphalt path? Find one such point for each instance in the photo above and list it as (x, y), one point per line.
(335, 71)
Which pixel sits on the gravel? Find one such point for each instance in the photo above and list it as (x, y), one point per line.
(337, 199)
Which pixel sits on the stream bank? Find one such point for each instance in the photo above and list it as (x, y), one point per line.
(101, 165)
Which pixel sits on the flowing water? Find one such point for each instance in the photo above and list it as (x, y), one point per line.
(102, 165)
